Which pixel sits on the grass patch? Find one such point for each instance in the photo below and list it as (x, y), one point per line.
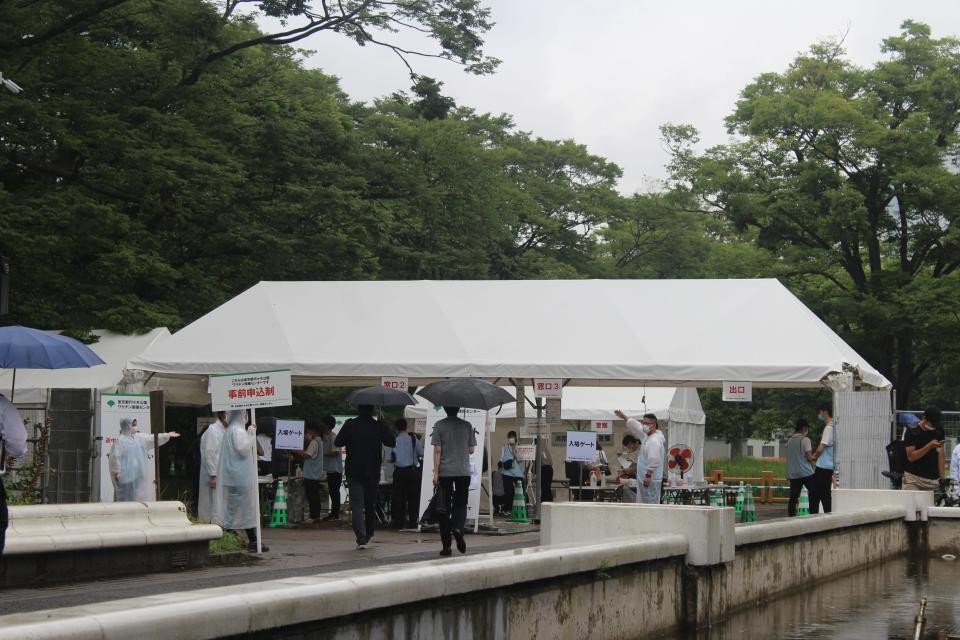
(228, 543)
(746, 467)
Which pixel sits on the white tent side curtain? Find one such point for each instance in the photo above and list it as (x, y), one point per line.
(597, 333)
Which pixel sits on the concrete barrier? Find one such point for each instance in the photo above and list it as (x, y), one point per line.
(708, 530)
(943, 534)
(784, 528)
(915, 503)
(50, 543)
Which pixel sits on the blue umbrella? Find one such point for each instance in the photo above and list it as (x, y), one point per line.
(25, 348)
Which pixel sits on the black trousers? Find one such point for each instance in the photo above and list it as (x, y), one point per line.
(821, 495)
(546, 479)
(509, 488)
(4, 516)
(456, 489)
(363, 503)
(312, 489)
(334, 480)
(796, 486)
(404, 507)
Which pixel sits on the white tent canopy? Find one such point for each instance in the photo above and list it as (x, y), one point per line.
(598, 403)
(589, 332)
(115, 349)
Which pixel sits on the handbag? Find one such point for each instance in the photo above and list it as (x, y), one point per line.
(436, 508)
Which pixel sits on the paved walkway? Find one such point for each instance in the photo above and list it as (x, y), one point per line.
(307, 550)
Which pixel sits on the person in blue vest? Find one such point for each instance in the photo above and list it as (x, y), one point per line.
(512, 468)
(407, 456)
(800, 462)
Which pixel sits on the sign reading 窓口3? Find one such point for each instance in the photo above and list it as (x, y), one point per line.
(251, 390)
(737, 391)
(548, 388)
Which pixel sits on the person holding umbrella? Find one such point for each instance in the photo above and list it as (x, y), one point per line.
(364, 438)
(14, 439)
(453, 443)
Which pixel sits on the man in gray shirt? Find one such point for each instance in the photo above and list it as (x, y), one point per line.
(14, 437)
(799, 465)
(453, 441)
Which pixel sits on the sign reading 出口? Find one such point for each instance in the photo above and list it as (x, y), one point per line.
(251, 390)
(737, 391)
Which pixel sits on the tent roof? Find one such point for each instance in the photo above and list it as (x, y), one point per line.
(591, 332)
(114, 349)
(598, 403)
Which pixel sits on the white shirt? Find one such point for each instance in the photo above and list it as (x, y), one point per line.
(955, 463)
(264, 441)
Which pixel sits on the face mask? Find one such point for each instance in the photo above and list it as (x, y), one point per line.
(821, 418)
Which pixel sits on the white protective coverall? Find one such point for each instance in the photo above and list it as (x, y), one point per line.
(237, 479)
(209, 507)
(129, 464)
(651, 460)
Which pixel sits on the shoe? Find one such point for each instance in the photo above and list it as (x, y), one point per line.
(332, 516)
(362, 544)
(446, 552)
(252, 548)
(461, 543)
(307, 521)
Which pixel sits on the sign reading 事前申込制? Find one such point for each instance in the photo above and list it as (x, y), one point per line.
(251, 390)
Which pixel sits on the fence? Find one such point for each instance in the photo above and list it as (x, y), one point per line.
(767, 488)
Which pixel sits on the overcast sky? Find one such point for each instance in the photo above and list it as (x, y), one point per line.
(609, 73)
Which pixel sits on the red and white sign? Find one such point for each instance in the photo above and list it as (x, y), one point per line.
(526, 452)
(251, 390)
(602, 426)
(391, 382)
(737, 391)
(547, 387)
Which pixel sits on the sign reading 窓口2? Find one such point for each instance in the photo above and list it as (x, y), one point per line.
(251, 390)
(737, 391)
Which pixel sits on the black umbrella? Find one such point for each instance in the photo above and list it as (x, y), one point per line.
(381, 397)
(470, 393)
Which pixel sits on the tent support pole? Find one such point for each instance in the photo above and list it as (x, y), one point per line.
(256, 487)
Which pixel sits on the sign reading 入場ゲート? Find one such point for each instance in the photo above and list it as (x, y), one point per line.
(251, 390)
(289, 435)
(602, 426)
(392, 382)
(581, 446)
(737, 391)
(547, 387)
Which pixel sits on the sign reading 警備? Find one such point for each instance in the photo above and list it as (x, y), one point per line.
(737, 391)
(602, 426)
(581, 446)
(251, 390)
(547, 388)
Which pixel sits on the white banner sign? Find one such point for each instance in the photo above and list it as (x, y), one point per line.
(251, 390)
(478, 419)
(602, 426)
(581, 446)
(737, 391)
(394, 383)
(113, 408)
(289, 435)
(527, 452)
(547, 388)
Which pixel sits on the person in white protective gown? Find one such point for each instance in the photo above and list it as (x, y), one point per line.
(237, 478)
(128, 462)
(209, 508)
(650, 462)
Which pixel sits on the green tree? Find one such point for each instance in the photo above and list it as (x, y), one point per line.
(845, 175)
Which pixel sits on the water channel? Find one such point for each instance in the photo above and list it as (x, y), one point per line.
(879, 602)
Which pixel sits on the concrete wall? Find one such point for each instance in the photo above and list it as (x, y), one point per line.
(943, 533)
